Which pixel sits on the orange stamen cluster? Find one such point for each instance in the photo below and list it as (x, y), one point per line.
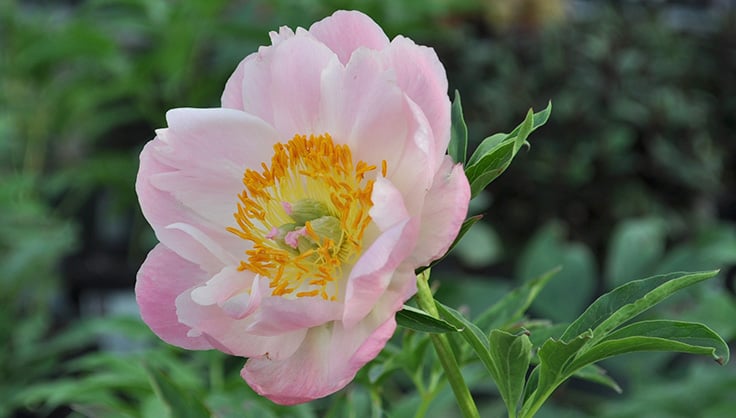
(316, 169)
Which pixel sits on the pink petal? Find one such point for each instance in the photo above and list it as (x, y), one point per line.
(364, 108)
(421, 75)
(346, 31)
(278, 315)
(296, 70)
(373, 272)
(232, 95)
(161, 279)
(328, 360)
(229, 334)
(444, 211)
(161, 209)
(210, 149)
(223, 286)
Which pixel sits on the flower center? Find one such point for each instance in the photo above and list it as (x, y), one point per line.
(305, 214)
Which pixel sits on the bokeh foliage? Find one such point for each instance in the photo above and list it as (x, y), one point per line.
(632, 176)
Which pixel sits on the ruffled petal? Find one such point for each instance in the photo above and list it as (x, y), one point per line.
(346, 31)
(223, 286)
(161, 209)
(326, 362)
(444, 211)
(229, 334)
(422, 77)
(161, 279)
(278, 315)
(210, 149)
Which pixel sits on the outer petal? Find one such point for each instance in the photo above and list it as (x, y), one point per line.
(161, 209)
(444, 211)
(283, 84)
(421, 75)
(162, 277)
(325, 363)
(346, 31)
(210, 149)
(238, 96)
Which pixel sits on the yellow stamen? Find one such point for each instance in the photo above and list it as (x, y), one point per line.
(303, 171)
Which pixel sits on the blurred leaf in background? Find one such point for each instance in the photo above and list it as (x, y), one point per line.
(632, 176)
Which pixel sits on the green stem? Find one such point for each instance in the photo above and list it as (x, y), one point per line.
(444, 351)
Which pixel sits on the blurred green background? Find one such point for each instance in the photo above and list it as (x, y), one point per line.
(633, 175)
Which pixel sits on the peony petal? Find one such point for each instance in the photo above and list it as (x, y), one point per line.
(232, 95)
(161, 209)
(373, 272)
(222, 286)
(421, 75)
(162, 277)
(346, 31)
(210, 149)
(388, 205)
(278, 315)
(328, 360)
(229, 334)
(364, 108)
(296, 70)
(444, 211)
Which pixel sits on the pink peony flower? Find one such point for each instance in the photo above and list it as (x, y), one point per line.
(292, 218)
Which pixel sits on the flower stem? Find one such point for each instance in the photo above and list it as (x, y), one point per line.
(444, 351)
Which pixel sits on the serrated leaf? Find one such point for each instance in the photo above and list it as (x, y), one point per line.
(629, 300)
(656, 335)
(512, 307)
(418, 320)
(458, 146)
(183, 404)
(511, 355)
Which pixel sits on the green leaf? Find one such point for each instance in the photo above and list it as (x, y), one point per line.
(549, 249)
(471, 333)
(636, 246)
(629, 300)
(495, 153)
(538, 119)
(554, 355)
(657, 335)
(480, 247)
(512, 307)
(490, 166)
(596, 374)
(458, 146)
(511, 355)
(418, 320)
(181, 403)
